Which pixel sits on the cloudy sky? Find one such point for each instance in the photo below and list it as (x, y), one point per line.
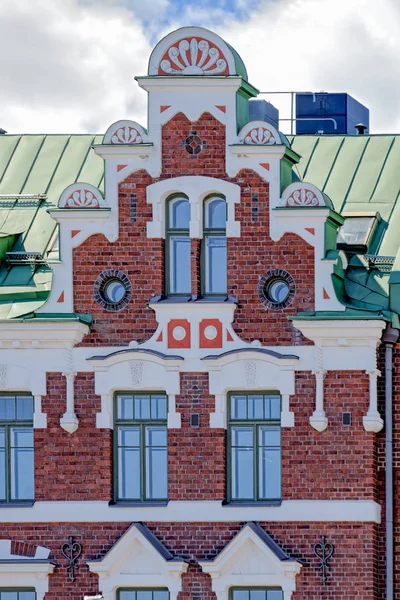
(68, 65)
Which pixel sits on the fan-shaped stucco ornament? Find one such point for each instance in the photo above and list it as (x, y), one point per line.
(125, 132)
(81, 195)
(301, 194)
(259, 133)
(194, 51)
(193, 57)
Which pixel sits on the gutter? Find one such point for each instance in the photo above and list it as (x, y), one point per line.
(389, 338)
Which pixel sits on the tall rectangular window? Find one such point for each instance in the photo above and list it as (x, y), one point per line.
(16, 448)
(17, 594)
(254, 449)
(178, 247)
(214, 272)
(141, 460)
(272, 593)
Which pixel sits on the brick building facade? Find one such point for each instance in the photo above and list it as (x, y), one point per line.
(189, 398)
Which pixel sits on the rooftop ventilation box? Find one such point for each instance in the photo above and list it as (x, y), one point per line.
(329, 113)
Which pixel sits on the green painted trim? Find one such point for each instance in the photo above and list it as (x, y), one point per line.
(342, 316)
(51, 317)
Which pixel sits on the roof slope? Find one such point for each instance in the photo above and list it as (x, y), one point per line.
(359, 173)
(34, 171)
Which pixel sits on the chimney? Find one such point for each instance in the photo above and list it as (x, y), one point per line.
(360, 128)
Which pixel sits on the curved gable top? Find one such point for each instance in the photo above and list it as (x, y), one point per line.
(125, 132)
(195, 51)
(259, 133)
(301, 194)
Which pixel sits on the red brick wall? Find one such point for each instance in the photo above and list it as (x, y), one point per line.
(352, 571)
(142, 259)
(340, 462)
(337, 464)
(77, 466)
(196, 455)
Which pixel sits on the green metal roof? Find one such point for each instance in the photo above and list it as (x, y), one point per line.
(34, 171)
(358, 173)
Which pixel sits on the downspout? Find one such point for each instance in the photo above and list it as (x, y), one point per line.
(389, 338)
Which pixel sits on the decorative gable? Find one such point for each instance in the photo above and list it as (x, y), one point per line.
(252, 559)
(138, 559)
(194, 51)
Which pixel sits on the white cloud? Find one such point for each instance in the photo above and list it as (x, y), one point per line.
(69, 66)
(333, 45)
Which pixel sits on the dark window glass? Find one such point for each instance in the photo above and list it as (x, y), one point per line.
(16, 448)
(141, 447)
(254, 454)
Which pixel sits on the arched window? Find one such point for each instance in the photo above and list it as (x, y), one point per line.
(214, 276)
(178, 246)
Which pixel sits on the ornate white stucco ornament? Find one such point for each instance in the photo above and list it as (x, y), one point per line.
(82, 199)
(126, 135)
(260, 135)
(302, 197)
(194, 57)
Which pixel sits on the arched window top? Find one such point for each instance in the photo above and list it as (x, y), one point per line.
(215, 213)
(178, 212)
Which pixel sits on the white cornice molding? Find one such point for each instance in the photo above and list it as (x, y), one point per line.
(290, 511)
(150, 83)
(340, 332)
(19, 334)
(261, 152)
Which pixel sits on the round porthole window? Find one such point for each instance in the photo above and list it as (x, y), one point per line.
(112, 290)
(276, 289)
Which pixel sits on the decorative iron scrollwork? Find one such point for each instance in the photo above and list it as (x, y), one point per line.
(324, 550)
(72, 551)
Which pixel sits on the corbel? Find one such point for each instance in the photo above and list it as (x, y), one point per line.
(319, 420)
(69, 421)
(372, 420)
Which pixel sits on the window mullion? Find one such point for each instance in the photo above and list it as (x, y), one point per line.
(7, 437)
(143, 462)
(255, 465)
